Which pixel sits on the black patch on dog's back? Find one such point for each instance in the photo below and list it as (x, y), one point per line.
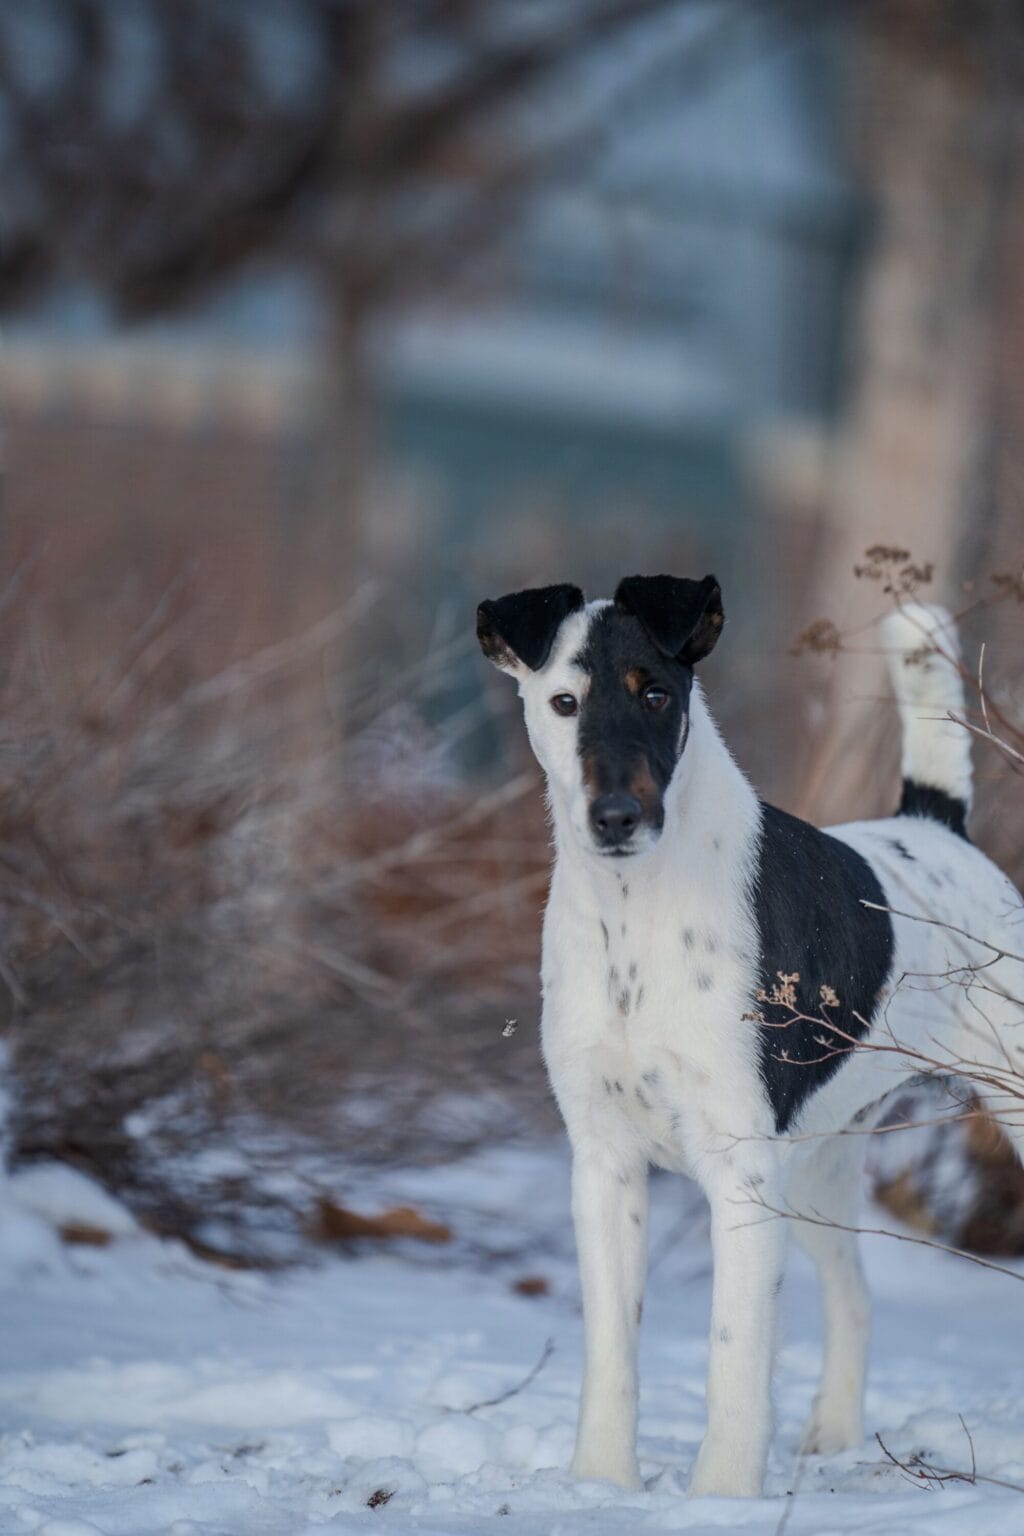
(808, 896)
(924, 800)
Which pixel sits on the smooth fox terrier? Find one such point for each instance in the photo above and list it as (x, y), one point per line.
(694, 940)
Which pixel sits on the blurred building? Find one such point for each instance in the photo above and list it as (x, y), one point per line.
(688, 291)
(662, 300)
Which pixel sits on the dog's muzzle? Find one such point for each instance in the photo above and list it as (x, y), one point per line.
(613, 821)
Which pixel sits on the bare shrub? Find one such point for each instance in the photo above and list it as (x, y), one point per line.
(226, 936)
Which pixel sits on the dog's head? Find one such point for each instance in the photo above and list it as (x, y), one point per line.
(606, 692)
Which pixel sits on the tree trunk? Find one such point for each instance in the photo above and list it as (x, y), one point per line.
(920, 413)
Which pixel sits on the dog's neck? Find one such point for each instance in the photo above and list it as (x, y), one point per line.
(710, 833)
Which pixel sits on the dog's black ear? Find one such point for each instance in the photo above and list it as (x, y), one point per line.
(683, 618)
(522, 626)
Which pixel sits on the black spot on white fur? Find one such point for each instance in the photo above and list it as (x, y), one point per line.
(935, 804)
(808, 899)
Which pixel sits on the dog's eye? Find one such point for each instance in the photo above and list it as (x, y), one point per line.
(654, 697)
(564, 704)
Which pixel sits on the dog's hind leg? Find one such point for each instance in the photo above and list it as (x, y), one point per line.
(825, 1187)
(609, 1204)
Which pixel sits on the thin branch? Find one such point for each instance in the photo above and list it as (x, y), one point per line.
(531, 1376)
(1016, 758)
(938, 922)
(272, 659)
(815, 1219)
(11, 982)
(929, 1474)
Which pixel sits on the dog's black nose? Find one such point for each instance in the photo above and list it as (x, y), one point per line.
(615, 818)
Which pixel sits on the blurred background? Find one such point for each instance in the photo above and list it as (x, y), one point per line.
(321, 321)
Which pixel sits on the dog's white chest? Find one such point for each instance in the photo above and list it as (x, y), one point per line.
(648, 1098)
(646, 1046)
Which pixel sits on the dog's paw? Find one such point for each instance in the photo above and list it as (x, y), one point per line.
(722, 1472)
(827, 1434)
(606, 1469)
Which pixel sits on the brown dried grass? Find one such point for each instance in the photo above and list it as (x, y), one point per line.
(222, 917)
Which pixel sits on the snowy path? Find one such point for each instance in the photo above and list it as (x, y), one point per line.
(143, 1392)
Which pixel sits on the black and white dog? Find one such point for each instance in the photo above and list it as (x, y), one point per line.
(693, 941)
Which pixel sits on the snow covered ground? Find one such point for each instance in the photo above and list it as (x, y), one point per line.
(144, 1392)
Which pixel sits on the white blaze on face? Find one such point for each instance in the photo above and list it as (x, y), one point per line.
(553, 737)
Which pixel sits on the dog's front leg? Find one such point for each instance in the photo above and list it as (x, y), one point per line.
(609, 1205)
(748, 1250)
